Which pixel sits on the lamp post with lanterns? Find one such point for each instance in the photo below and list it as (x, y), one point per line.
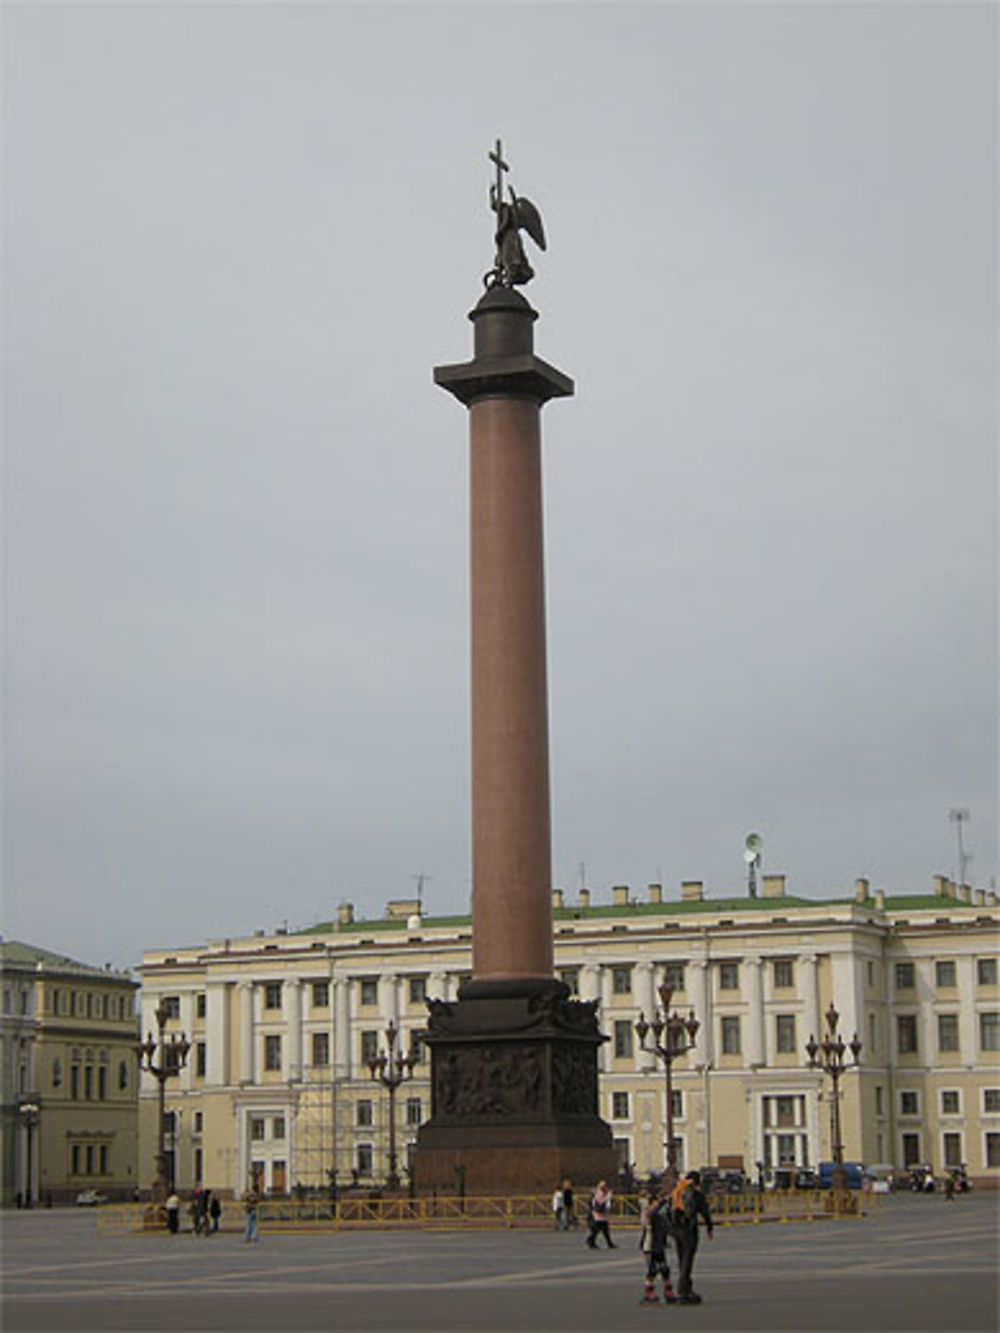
(830, 1055)
(173, 1056)
(673, 1036)
(30, 1113)
(391, 1068)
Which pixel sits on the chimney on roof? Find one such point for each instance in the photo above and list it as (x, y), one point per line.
(345, 914)
(557, 900)
(692, 891)
(656, 893)
(941, 885)
(964, 893)
(584, 897)
(620, 895)
(980, 897)
(861, 890)
(774, 886)
(880, 900)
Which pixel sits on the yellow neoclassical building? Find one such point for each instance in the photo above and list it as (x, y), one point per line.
(282, 1026)
(68, 1077)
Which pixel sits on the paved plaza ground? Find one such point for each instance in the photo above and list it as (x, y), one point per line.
(916, 1263)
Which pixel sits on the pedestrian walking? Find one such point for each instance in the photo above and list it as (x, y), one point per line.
(569, 1208)
(558, 1210)
(688, 1205)
(215, 1211)
(656, 1229)
(250, 1202)
(173, 1207)
(600, 1216)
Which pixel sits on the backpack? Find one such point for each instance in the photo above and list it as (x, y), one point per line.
(679, 1199)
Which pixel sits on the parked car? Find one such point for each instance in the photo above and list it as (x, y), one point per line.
(90, 1198)
(805, 1178)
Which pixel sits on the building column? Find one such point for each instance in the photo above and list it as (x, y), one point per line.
(246, 1032)
(756, 1041)
(341, 1028)
(607, 1050)
(292, 1006)
(217, 1033)
(704, 1047)
(810, 997)
(646, 1001)
(186, 1076)
(968, 1034)
(388, 999)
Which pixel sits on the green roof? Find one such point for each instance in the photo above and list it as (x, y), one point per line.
(926, 902)
(16, 955)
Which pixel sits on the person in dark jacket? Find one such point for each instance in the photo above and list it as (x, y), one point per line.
(688, 1205)
(655, 1219)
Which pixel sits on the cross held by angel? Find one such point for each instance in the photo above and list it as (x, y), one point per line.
(510, 266)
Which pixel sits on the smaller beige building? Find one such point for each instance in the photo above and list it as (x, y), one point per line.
(70, 1079)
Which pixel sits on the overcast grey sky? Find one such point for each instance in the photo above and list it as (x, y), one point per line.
(236, 240)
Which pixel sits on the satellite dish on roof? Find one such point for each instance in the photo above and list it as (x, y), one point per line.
(753, 847)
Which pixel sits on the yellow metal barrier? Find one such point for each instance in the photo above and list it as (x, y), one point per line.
(485, 1212)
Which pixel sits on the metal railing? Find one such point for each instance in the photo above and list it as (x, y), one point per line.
(487, 1212)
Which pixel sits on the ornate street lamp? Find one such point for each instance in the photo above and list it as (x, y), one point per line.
(673, 1036)
(173, 1055)
(830, 1055)
(30, 1113)
(391, 1069)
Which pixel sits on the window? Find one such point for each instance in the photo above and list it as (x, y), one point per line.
(944, 974)
(272, 995)
(369, 990)
(784, 974)
(90, 1159)
(729, 976)
(989, 1031)
(199, 1163)
(677, 1103)
(170, 1122)
(623, 1040)
(906, 1034)
(674, 976)
(364, 1159)
(74, 1157)
(619, 1106)
(364, 1113)
(991, 1101)
(571, 976)
(986, 971)
(57, 1073)
(257, 1129)
(879, 1103)
(272, 1052)
(952, 1144)
(200, 1059)
(171, 1005)
(74, 1082)
(369, 1046)
(949, 1102)
(418, 1050)
(199, 1122)
(102, 1084)
(784, 1031)
(321, 994)
(278, 1127)
(906, 976)
(122, 1075)
(621, 979)
(730, 1036)
(414, 1111)
(103, 1159)
(200, 1004)
(909, 1103)
(320, 1048)
(88, 1083)
(911, 1149)
(418, 990)
(947, 1025)
(993, 1149)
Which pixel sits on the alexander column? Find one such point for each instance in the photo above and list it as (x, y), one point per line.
(514, 1060)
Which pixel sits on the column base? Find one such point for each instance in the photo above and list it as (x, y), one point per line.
(514, 1094)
